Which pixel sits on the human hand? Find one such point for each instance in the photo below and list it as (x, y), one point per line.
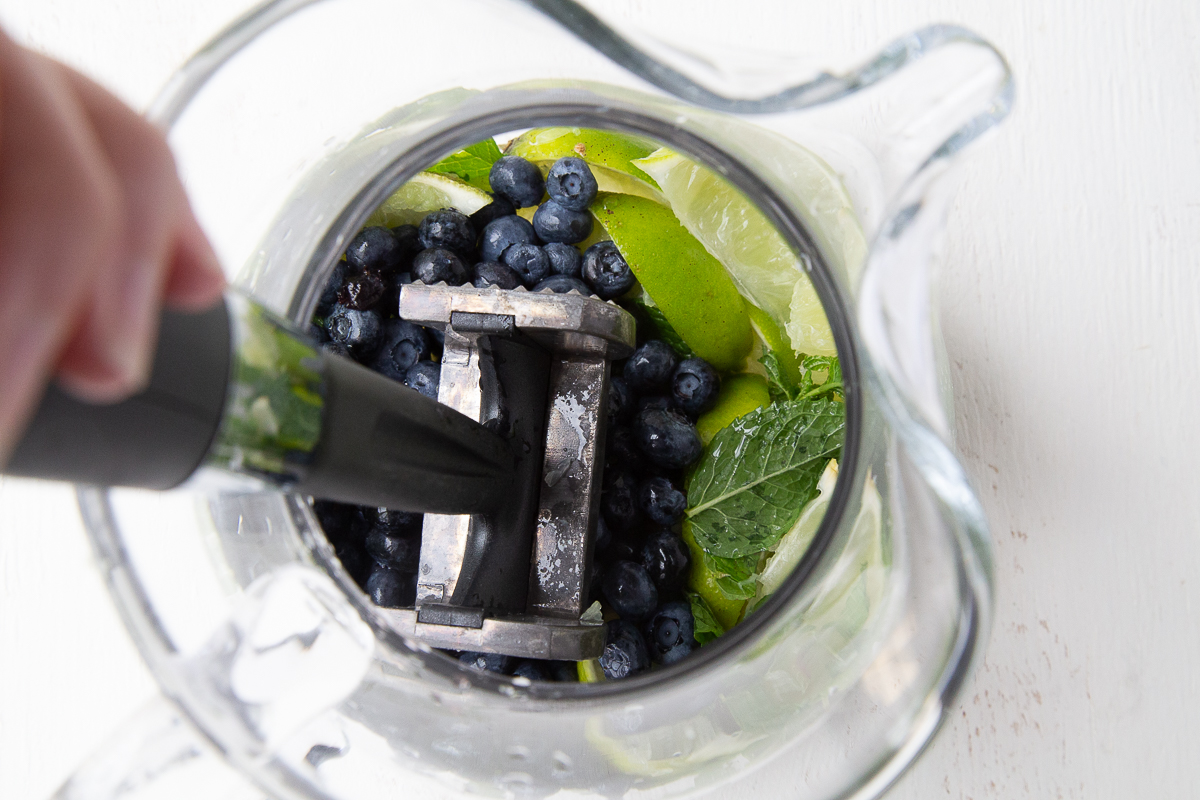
(95, 235)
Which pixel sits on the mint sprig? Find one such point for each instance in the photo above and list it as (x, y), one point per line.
(819, 375)
(759, 472)
(707, 627)
(471, 164)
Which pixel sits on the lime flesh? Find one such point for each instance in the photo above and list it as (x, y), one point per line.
(425, 193)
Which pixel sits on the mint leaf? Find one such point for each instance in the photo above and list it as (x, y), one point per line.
(819, 375)
(781, 387)
(707, 627)
(758, 473)
(471, 164)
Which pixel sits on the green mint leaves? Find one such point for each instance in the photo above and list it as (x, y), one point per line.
(707, 627)
(471, 164)
(758, 473)
(819, 375)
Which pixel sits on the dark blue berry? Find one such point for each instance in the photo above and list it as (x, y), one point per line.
(330, 292)
(499, 207)
(564, 259)
(409, 240)
(404, 344)
(361, 332)
(561, 284)
(361, 292)
(618, 500)
(447, 229)
(486, 662)
(397, 523)
(529, 262)
(666, 559)
(556, 223)
(530, 670)
(620, 401)
(694, 386)
(438, 264)
(374, 249)
(517, 180)
(667, 438)
(605, 270)
(337, 348)
(670, 633)
(391, 588)
(624, 651)
(341, 521)
(355, 561)
(660, 401)
(661, 501)
(603, 536)
(629, 590)
(493, 273)
(649, 369)
(424, 377)
(401, 552)
(571, 183)
(503, 233)
(621, 450)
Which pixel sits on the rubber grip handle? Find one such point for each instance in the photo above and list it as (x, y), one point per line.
(153, 440)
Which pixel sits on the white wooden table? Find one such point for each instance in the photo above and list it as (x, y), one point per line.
(1071, 307)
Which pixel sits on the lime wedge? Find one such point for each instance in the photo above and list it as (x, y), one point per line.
(792, 546)
(733, 229)
(425, 193)
(775, 340)
(703, 581)
(688, 285)
(608, 153)
(589, 671)
(739, 395)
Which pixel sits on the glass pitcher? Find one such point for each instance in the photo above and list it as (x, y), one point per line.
(290, 127)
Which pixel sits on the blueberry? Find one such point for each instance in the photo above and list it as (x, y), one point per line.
(374, 249)
(620, 401)
(355, 561)
(661, 501)
(424, 376)
(409, 240)
(618, 500)
(605, 270)
(650, 367)
(626, 546)
(603, 536)
(564, 259)
(531, 670)
(361, 332)
(629, 590)
(666, 559)
(659, 401)
(397, 523)
(361, 292)
(571, 183)
(670, 633)
(529, 262)
(561, 284)
(556, 223)
(493, 273)
(438, 264)
(341, 521)
(404, 344)
(694, 386)
(596, 583)
(517, 180)
(499, 207)
(668, 439)
(391, 588)
(503, 233)
(621, 450)
(447, 229)
(330, 292)
(400, 552)
(624, 651)
(337, 348)
(486, 662)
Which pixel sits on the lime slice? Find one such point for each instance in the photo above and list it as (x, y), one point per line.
(739, 395)
(792, 546)
(775, 340)
(589, 671)
(703, 581)
(608, 153)
(425, 193)
(733, 229)
(688, 285)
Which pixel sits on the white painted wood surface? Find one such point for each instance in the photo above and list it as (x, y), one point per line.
(1071, 305)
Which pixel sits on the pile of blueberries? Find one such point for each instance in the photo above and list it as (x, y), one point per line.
(641, 564)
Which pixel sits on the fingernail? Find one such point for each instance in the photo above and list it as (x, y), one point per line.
(128, 347)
